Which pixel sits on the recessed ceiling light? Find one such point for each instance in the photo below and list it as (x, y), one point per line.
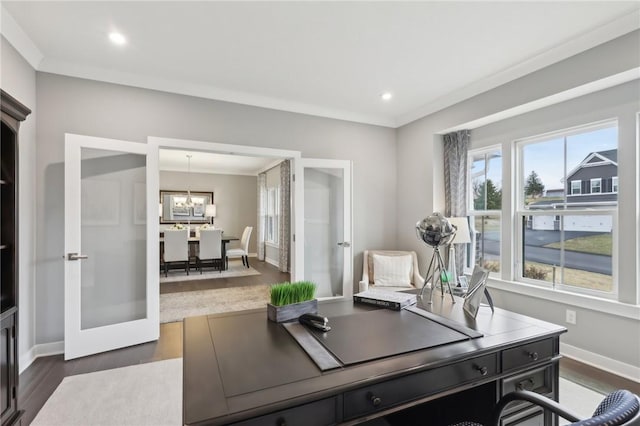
(117, 38)
(386, 96)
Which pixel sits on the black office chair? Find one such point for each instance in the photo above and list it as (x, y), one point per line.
(617, 409)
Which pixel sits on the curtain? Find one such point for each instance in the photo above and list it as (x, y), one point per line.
(456, 146)
(285, 215)
(262, 210)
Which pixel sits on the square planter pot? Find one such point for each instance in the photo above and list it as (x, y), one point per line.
(291, 312)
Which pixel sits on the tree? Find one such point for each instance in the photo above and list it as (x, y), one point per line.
(489, 190)
(533, 186)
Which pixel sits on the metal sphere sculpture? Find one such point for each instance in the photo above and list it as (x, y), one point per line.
(436, 231)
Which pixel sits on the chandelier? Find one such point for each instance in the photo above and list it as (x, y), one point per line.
(189, 201)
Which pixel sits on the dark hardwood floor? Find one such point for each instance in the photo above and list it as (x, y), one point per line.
(41, 378)
(594, 378)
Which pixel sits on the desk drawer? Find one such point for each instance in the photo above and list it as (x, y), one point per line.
(319, 413)
(383, 395)
(527, 354)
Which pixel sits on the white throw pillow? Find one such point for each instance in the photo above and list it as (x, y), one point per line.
(392, 271)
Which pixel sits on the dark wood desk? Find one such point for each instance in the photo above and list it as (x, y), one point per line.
(240, 368)
(194, 243)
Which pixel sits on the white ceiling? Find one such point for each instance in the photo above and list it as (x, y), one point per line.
(207, 162)
(331, 59)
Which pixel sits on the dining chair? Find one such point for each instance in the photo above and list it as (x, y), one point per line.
(176, 248)
(243, 250)
(210, 248)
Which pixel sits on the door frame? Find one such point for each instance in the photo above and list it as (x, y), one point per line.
(78, 342)
(297, 250)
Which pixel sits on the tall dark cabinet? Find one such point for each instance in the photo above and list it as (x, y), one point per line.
(12, 113)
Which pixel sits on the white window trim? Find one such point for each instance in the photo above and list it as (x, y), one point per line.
(274, 241)
(472, 212)
(614, 185)
(579, 182)
(599, 186)
(521, 212)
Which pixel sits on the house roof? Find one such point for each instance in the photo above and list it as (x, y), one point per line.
(601, 158)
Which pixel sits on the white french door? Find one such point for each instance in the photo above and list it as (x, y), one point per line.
(324, 236)
(111, 256)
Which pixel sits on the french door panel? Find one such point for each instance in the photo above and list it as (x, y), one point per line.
(324, 234)
(111, 285)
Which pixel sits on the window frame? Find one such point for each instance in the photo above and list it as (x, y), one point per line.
(272, 216)
(614, 184)
(521, 213)
(472, 213)
(579, 182)
(599, 186)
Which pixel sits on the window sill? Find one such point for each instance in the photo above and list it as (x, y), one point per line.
(611, 307)
(269, 244)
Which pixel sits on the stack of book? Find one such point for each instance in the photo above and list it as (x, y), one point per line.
(385, 299)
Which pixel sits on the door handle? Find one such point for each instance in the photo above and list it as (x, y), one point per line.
(76, 256)
(345, 244)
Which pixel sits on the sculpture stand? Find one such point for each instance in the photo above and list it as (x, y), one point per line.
(435, 272)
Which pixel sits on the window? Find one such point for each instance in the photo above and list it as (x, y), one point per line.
(272, 222)
(568, 244)
(576, 187)
(485, 208)
(614, 184)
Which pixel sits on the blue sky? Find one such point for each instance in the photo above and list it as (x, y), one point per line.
(546, 157)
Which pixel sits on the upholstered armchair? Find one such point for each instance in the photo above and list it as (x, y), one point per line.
(391, 270)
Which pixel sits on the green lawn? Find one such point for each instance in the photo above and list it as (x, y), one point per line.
(573, 277)
(596, 244)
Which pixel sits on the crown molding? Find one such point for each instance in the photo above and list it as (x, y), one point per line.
(19, 39)
(207, 92)
(25, 46)
(607, 32)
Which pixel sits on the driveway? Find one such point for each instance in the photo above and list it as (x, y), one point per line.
(536, 252)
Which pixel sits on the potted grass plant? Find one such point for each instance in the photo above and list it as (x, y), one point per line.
(290, 300)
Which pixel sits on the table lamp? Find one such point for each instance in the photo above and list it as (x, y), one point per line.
(462, 236)
(210, 211)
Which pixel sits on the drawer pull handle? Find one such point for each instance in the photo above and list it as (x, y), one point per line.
(281, 422)
(375, 400)
(533, 355)
(526, 384)
(482, 370)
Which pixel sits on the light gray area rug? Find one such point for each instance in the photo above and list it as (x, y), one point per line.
(236, 269)
(579, 399)
(177, 306)
(139, 395)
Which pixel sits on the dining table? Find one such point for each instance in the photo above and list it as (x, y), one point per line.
(194, 243)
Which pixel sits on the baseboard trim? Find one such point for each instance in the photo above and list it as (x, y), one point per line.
(272, 262)
(601, 362)
(44, 349)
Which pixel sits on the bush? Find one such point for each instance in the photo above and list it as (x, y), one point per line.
(492, 266)
(535, 272)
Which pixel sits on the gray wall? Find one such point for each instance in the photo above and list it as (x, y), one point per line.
(420, 174)
(235, 198)
(18, 79)
(72, 105)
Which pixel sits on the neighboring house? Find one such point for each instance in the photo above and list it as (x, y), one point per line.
(558, 192)
(595, 180)
(593, 183)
